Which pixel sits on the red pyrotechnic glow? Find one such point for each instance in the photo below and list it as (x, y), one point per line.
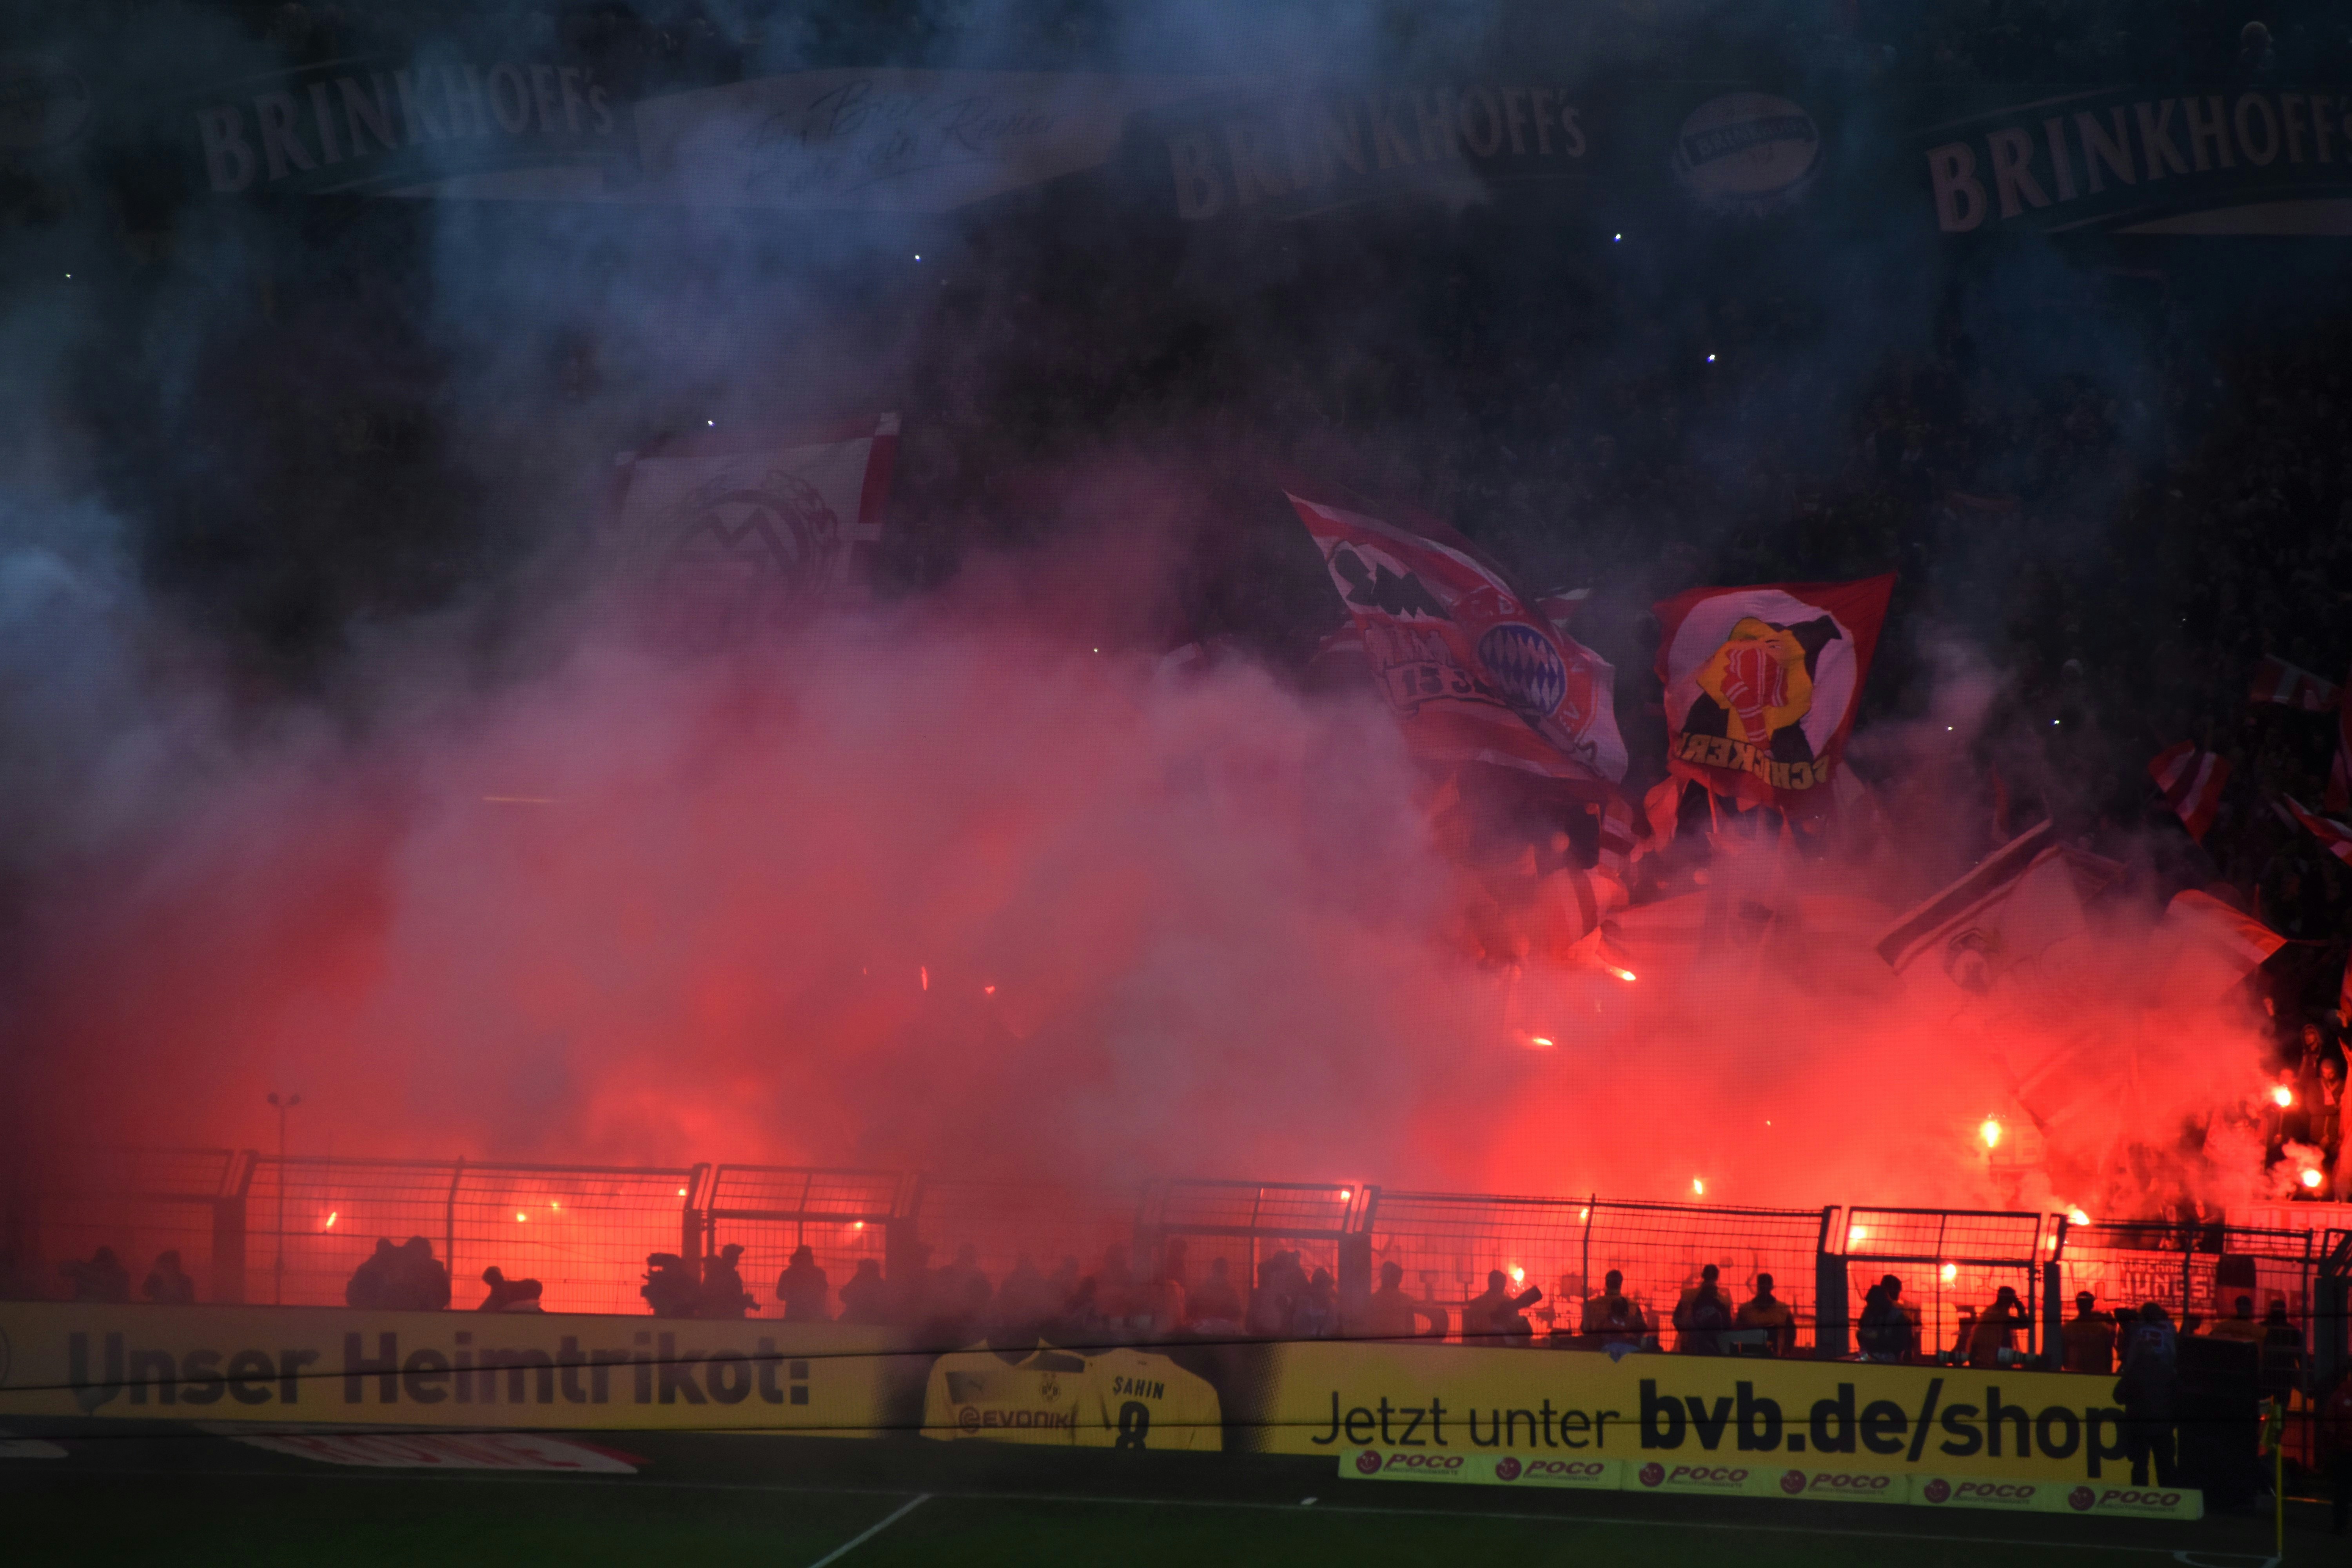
(2312, 1178)
(1698, 1186)
(330, 1219)
(2076, 1216)
(1991, 1133)
(2281, 1097)
(1624, 974)
(1539, 1040)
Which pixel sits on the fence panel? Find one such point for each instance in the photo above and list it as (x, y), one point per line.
(843, 1217)
(1952, 1264)
(1446, 1243)
(1661, 1248)
(1058, 1229)
(141, 1202)
(312, 1219)
(583, 1232)
(1246, 1222)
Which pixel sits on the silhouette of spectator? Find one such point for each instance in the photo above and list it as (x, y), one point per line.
(2147, 1391)
(1886, 1332)
(1495, 1311)
(508, 1295)
(803, 1287)
(1026, 1301)
(2090, 1337)
(722, 1294)
(1279, 1285)
(1767, 1312)
(2282, 1343)
(419, 1282)
(371, 1283)
(866, 1297)
(1164, 1294)
(1390, 1315)
(1613, 1316)
(1115, 1292)
(1216, 1306)
(1996, 1329)
(1317, 1313)
(102, 1279)
(2240, 1324)
(166, 1285)
(671, 1287)
(1701, 1317)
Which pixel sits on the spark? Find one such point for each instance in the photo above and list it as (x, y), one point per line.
(1518, 1275)
(1991, 1133)
(919, 256)
(331, 1215)
(1855, 1233)
(681, 1192)
(1624, 974)
(712, 422)
(1710, 359)
(1698, 1186)
(1347, 1193)
(859, 1225)
(1584, 1213)
(2076, 1216)
(521, 1216)
(1616, 238)
(1539, 1040)
(554, 1205)
(2312, 1178)
(1951, 1272)
(926, 973)
(2281, 1097)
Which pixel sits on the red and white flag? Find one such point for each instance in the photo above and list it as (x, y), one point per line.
(729, 532)
(2333, 837)
(2191, 781)
(2204, 947)
(2275, 681)
(1763, 682)
(1474, 671)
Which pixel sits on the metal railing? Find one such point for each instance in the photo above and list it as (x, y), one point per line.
(1952, 1265)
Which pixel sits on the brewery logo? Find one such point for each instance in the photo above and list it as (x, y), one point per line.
(1507, 1469)
(1747, 153)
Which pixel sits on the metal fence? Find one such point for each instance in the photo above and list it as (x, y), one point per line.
(583, 1232)
(142, 1202)
(1952, 1264)
(843, 1217)
(260, 1229)
(1246, 1223)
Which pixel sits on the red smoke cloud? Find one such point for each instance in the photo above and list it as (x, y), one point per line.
(935, 891)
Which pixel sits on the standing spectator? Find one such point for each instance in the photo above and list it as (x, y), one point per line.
(723, 1295)
(802, 1287)
(1216, 1306)
(2150, 1379)
(865, 1298)
(103, 1278)
(1702, 1316)
(1495, 1311)
(671, 1287)
(2239, 1325)
(166, 1285)
(1996, 1330)
(2327, 1126)
(2282, 1344)
(1767, 1312)
(1886, 1331)
(371, 1283)
(1390, 1315)
(419, 1282)
(1613, 1316)
(1316, 1316)
(2090, 1338)
(1026, 1299)
(1163, 1295)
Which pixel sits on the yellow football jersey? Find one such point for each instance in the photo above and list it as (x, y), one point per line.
(1111, 1399)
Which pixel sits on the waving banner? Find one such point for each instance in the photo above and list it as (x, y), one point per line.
(1762, 684)
(727, 536)
(1472, 670)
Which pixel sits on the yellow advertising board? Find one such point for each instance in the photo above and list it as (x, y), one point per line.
(445, 1369)
(1703, 1416)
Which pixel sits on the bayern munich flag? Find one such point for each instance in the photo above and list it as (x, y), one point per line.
(2191, 781)
(1472, 669)
(1763, 682)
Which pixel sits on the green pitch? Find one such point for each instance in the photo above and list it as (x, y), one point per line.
(190, 1500)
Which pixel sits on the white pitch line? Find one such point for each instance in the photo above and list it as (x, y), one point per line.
(855, 1542)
